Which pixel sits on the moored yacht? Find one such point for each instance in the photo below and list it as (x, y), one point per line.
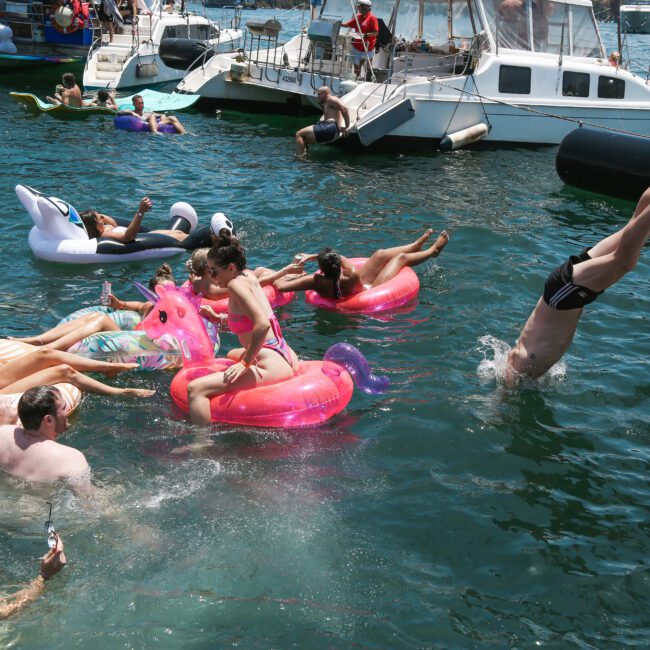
(132, 58)
(635, 17)
(509, 71)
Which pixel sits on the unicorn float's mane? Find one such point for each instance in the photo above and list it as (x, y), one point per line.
(176, 313)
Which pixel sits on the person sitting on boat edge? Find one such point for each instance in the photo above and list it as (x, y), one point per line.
(550, 328)
(335, 112)
(339, 278)
(68, 92)
(154, 119)
(101, 225)
(368, 25)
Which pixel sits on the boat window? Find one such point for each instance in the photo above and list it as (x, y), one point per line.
(175, 31)
(201, 32)
(575, 84)
(585, 40)
(544, 26)
(514, 79)
(461, 20)
(611, 88)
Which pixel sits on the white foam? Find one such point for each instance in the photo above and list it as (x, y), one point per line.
(495, 356)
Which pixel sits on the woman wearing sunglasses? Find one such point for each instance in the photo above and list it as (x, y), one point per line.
(265, 357)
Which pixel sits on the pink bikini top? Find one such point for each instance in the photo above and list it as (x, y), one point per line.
(239, 323)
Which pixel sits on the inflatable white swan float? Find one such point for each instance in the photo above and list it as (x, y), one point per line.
(59, 235)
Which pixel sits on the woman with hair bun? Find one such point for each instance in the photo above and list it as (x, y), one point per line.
(265, 357)
(339, 278)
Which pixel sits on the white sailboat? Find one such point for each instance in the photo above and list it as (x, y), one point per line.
(132, 58)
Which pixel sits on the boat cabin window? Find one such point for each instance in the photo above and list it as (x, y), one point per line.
(202, 32)
(514, 80)
(611, 88)
(175, 31)
(575, 84)
(545, 26)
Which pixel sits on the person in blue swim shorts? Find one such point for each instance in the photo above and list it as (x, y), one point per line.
(335, 122)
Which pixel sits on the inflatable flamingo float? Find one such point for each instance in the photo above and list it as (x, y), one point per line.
(318, 390)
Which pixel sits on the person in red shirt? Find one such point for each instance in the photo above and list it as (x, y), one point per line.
(363, 46)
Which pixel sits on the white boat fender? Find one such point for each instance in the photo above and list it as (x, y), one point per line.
(453, 141)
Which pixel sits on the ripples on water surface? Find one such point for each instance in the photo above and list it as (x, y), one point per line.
(446, 513)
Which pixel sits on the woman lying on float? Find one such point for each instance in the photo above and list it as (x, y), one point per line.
(354, 284)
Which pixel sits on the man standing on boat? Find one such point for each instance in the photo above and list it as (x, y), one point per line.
(330, 127)
(367, 27)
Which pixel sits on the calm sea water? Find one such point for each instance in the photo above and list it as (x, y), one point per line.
(448, 513)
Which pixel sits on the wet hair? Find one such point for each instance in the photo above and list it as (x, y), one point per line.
(135, 97)
(329, 262)
(227, 250)
(89, 218)
(35, 404)
(198, 263)
(162, 274)
(68, 80)
(102, 95)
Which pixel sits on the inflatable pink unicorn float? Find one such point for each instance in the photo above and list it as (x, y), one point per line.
(318, 390)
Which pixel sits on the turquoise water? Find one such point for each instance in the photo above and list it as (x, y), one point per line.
(448, 513)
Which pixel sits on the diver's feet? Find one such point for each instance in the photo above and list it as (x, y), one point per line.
(441, 242)
(116, 368)
(137, 392)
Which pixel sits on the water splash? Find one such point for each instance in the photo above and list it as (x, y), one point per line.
(495, 356)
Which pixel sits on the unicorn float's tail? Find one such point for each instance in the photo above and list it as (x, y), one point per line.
(351, 358)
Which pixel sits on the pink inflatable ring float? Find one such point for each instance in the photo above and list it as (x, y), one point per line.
(395, 293)
(319, 389)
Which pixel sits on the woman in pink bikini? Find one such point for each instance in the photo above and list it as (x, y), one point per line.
(265, 357)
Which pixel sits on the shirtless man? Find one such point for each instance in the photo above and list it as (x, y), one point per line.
(580, 280)
(153, 119)
(31, 452)
(68, 93)
(336, 119)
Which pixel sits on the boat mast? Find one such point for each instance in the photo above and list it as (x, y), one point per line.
(420, 19)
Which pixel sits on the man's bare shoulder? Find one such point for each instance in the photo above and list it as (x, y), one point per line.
(335, 103)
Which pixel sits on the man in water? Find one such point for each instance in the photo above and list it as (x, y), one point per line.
(31, 452)
(67, 92)
(335, 112)
(153, 119)
(363, 45)
(580, 280)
